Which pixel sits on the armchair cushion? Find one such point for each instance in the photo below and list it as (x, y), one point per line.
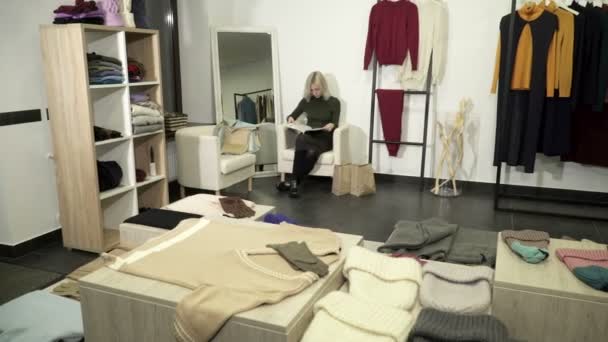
(326, 158)
(232, 163)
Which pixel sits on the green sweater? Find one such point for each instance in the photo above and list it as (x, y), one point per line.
(318, 111)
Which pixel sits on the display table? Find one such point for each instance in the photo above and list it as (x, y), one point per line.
(546, 302)
(122, 307)
(133, 235)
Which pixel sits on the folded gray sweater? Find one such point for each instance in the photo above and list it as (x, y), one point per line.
(434, 325)
(428, 239)
(473, 247)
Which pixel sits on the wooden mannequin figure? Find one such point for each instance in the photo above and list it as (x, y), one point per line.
(452, 141)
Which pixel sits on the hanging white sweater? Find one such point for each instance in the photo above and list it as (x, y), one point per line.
(433, 19)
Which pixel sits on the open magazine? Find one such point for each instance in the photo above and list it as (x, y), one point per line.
(302, 128)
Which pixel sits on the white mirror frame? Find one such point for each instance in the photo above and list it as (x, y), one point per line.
(217, 83)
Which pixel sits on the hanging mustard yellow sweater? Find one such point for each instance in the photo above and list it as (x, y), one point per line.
(522, 68)
(228, 267)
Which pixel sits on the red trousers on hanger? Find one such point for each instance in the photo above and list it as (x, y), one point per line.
(390, 103)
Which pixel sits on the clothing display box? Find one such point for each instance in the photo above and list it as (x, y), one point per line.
(121, 307)
(545, 301)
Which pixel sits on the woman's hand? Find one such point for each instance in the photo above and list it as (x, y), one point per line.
(290, 120)
(329, 127)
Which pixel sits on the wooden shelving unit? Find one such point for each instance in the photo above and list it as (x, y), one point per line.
(90, 218)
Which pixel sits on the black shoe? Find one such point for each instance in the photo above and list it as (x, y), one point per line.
(293, 189)
(283, 186)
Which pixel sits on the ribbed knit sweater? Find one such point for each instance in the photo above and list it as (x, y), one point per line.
(574, 258)
(392, 33)
(381, 279)
(526, 237)
(456, 288)
(343, 317)
(434, 325)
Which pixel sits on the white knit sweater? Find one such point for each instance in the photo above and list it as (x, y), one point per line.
(381, 279)
(342, 317)
(433, 19)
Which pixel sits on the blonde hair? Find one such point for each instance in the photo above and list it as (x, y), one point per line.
(316, 77)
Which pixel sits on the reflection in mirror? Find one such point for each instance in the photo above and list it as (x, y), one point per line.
(246, 79)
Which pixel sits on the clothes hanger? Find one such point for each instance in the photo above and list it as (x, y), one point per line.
(562, 4)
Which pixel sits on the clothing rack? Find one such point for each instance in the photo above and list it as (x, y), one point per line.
(499, 194)
(236, 105)
(423, 144)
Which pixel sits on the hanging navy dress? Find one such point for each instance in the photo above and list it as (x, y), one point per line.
(518, 122)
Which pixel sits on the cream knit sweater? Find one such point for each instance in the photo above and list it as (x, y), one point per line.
(342, 317)
(433, 19)
(228, 268)
(381, 279)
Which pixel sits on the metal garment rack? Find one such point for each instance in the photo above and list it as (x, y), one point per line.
(236, 105)
(498, 193)
(423, 144)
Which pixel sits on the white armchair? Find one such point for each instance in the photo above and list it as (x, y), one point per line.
(201, 165)
(340, 155)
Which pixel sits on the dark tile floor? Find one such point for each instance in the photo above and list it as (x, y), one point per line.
(371, 216)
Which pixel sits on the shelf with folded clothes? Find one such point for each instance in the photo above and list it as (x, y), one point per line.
(84, 12)
(106, 58)
(143, 66)
(146, 113)
(114, 166)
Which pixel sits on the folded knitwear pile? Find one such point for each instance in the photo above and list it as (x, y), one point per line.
(146, 115)
(104, 69)
(85, 12)
(456, 288)
(382, 293)
(589, 266)
(530, 245)
(435, 239)
(137, 71)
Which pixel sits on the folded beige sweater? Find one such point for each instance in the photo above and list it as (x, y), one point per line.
(228, 268)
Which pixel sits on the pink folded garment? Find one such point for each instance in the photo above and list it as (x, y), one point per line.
(574, 258)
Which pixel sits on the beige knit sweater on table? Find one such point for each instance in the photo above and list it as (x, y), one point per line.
(228, 267)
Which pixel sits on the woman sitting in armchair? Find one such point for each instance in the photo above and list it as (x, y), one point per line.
(322, 111)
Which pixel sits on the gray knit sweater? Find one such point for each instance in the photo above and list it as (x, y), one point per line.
(434, 325)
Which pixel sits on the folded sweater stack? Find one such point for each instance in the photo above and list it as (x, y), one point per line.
(589, 266)
(434, 325)
(146, 115)
(382, 290)
(428, 239)
(104, 69)
(456, 288)
(85, 12)
(530, 245)
(137, 71)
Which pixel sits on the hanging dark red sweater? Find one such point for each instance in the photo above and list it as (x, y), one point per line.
(392, 33)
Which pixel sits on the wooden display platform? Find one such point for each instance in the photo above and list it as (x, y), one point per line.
(122, 307)
(546, 302)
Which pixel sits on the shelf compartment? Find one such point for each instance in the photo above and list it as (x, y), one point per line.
(122, 153)
(142, 48)
(142, 147)
(153, 195)
(149, 180)
(142, 135)
(108, 43)
(111, 109)
(110, 141)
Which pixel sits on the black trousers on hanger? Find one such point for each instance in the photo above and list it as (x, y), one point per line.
(309, 146)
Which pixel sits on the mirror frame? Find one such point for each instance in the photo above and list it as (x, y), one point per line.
(217, 83)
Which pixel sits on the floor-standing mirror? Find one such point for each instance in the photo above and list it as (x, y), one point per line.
(246, 86)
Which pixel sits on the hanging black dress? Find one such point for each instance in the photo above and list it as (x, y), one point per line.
(518, 122)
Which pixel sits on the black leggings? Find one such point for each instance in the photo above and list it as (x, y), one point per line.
(308, 149)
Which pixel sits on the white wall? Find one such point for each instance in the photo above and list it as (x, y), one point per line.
(28, 198)
(330, 36)
(244, 78)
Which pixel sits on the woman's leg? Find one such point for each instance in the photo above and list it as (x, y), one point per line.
(306, 155)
